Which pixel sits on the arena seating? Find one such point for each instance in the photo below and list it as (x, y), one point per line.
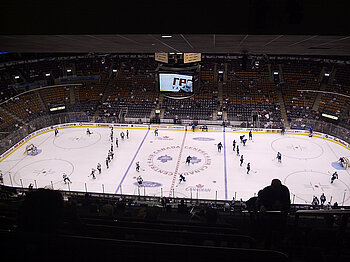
(133, 86)
(95, 227)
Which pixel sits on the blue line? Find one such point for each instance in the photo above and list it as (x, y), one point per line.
(225, 169)
(132, 161)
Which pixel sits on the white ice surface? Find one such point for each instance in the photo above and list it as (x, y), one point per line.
(306, 165)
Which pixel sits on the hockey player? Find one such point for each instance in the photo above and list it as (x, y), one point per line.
(241, 160)
(341, 161)
(315, 201)
(233, 145)
(56, 132)
(1, 178)
(30, 186)
(188, 160)
(93, 170)
(182, 178)
(334, 177)
(237, 149)
(138, 166)
(139, 180)
(66, 179)
(99, 168)
(111, 137)
(323, 199)
(219, 147)
(156, 132)
(122, 135)
(116, 141)
(111, 148)
(279, 157)
(88, 132)
(250, 135)
(310, 132)
(107, 162)
(127, 134)
(241, 138)
(244, 141)
(248, 168)
(110, 155)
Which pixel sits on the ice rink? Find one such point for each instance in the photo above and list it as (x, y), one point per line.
(306, 168)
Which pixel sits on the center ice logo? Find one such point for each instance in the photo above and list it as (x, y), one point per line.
(165, 158)
(160, 162)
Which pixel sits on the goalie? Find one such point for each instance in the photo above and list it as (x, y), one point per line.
(344, 162)
(31, 150)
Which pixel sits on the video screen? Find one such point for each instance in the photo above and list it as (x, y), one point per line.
(170, 82)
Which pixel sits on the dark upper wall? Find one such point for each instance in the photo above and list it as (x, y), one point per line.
(159, 16)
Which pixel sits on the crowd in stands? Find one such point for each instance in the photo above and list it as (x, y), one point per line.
(130, 81)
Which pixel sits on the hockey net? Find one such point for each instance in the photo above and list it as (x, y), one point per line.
(346, 162)
(30, 149)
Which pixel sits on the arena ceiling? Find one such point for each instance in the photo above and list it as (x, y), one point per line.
(320, 45)
(291, 27)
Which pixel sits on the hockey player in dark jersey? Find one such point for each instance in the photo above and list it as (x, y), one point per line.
(241, 160)
(188, 160)
(66, 179)
(241, 138)
(139, 180)
(88, 132)
(279, 157)
(219, 147)
(334, 177)
(182, 178)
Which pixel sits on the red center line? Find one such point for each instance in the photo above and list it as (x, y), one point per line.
(177, 165)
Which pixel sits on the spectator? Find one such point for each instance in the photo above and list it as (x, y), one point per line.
(275, 197)
(164, 202)
(41, 212)
(182, 208)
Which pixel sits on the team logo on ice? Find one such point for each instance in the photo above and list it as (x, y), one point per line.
(195, 160)
(165, 158)
(43, 172)
(164, 138)
(199, 188)
(148, 184)
(203, 139)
